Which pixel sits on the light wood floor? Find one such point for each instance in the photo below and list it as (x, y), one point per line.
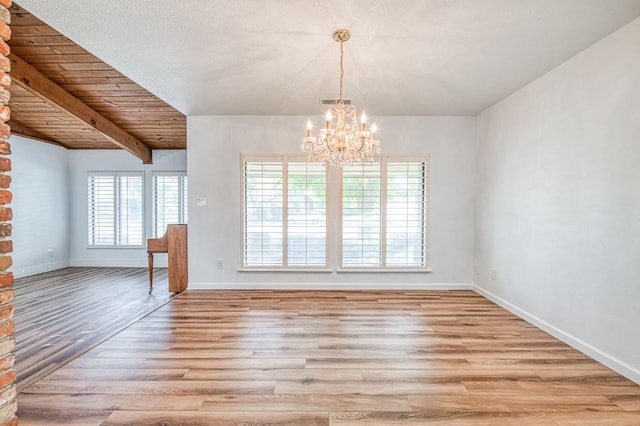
(331, 358)
(63, 313)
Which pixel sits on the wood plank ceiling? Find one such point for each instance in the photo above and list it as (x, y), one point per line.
(64, 95)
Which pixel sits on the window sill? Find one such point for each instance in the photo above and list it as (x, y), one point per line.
(282, 269)
(383, 270)
(339, 270)
(116, 247)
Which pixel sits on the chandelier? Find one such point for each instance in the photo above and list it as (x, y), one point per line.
(343, 141)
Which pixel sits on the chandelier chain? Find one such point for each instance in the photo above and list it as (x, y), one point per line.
(341, 71)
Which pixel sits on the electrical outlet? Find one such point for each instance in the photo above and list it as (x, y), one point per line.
(220, 264)
(201, 201)
(50, 251)
(493, 274)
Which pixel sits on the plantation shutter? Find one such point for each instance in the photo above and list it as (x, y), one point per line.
(115, 209)
(169, 200)
(263, 213)
(405, 214)
(361, 215)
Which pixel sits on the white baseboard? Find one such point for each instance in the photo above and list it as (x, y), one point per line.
(330, 286)
(38, 269)
(612, 362)
(118, 263)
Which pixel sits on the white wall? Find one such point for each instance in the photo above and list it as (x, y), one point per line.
(81, 162)
(215, 146)
(558, 211)
(40, 183)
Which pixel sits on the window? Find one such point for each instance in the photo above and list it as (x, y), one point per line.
(406, 214)
(306, 214)
(384, 214)
(381, 214)
(284, 212)
(116, 214)
(361, 215)
(169, 195)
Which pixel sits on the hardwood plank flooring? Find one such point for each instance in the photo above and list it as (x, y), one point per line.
(331, 358)
(61, 314)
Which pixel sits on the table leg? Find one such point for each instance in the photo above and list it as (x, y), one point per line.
(150, 272)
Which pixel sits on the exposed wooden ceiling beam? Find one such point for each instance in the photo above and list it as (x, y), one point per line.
(27, 132)
(32, 80)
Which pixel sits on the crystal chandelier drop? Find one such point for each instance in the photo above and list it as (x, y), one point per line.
(343, 141)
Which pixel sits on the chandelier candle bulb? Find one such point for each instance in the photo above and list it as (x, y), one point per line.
(309, 127)
(363, 120)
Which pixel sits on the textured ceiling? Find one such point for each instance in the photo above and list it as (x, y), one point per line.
(412, 57)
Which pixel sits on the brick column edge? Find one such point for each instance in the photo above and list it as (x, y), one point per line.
(8, 391)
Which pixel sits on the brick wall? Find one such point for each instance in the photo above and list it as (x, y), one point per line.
(8, 404)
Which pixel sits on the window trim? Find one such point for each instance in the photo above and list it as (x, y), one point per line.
(285, 159)
(383, 160)
(334, 218)
(116, 174)
(183, 211)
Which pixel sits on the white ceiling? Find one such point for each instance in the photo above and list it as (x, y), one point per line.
(411, 57)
